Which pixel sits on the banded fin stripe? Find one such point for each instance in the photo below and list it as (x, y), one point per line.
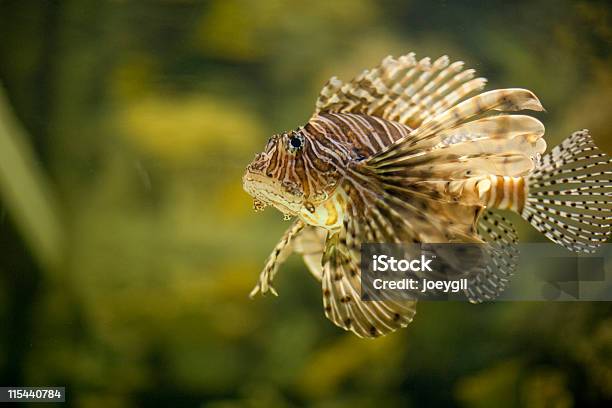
(503, 192)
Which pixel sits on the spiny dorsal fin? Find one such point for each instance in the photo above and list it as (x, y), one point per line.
(402, 90)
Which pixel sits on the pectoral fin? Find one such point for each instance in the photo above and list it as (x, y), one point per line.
(341, 286)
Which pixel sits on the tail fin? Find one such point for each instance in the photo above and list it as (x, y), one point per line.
(569, 194)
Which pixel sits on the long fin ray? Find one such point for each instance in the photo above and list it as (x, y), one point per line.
(426, 136)
(279, 254)
(501, 239)
(342, 292)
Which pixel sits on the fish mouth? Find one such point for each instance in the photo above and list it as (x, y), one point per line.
(267, 191)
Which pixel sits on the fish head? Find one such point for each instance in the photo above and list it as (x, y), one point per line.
(290, 174)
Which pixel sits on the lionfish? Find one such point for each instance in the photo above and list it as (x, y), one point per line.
(414, 152)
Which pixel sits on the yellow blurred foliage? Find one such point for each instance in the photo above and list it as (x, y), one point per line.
(248, 30)
(584, 110)
(495, 386)
(233, 203)
(134, 77)
(181, 129)
(329, 366)
(545, 388)
(595, 352)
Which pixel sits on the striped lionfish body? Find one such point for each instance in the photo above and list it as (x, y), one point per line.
(413, 151)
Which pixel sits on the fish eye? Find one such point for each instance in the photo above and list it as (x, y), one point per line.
(296, 142)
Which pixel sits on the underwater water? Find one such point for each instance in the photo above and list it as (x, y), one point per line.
(128, 247)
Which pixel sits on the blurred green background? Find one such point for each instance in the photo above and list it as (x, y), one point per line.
(128, 248)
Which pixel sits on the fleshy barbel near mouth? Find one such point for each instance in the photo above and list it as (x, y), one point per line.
(266, 191)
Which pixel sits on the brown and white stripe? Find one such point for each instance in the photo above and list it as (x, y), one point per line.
(505, 193)
(368, 134)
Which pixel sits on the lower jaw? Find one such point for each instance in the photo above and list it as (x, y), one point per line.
(261, 200)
